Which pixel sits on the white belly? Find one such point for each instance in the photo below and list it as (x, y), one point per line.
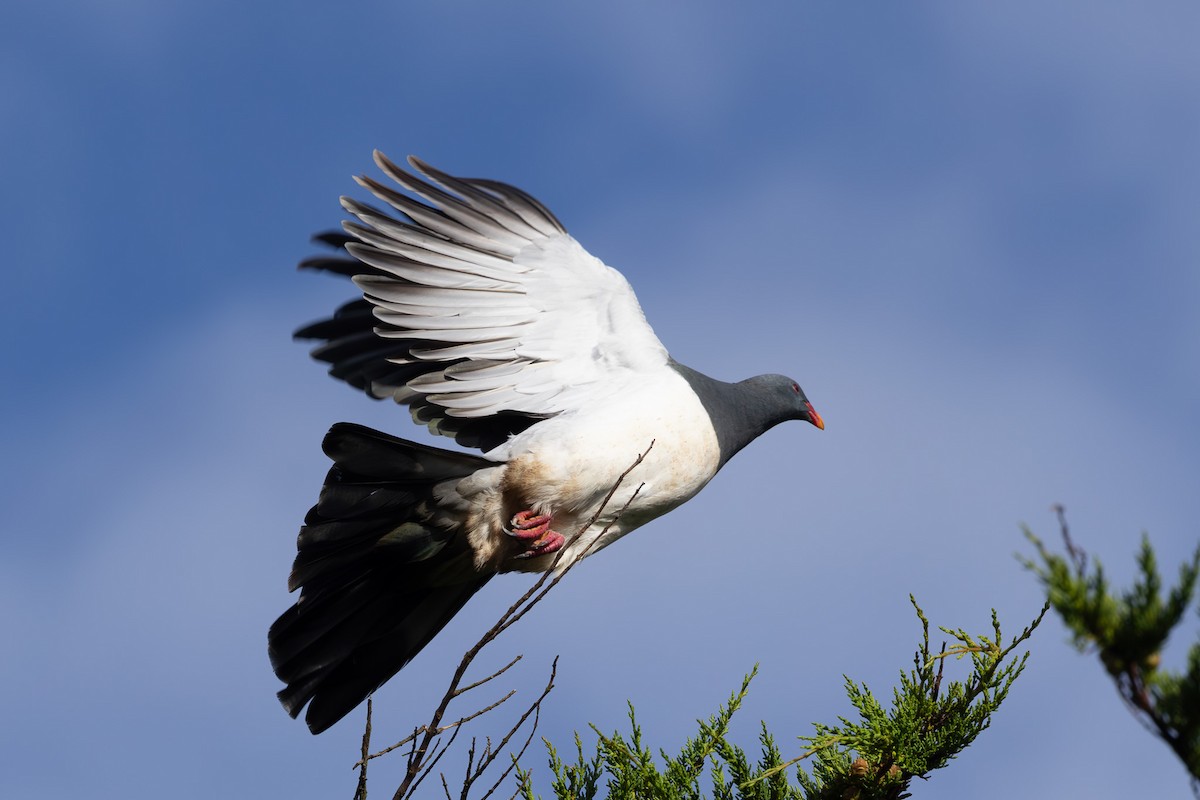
(566, 466)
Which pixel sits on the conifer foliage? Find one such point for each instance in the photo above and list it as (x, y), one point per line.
(930, 721)
(1128, 631)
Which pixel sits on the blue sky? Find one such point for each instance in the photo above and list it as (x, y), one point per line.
(969, 230)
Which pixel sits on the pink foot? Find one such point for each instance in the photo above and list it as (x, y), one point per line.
(533, 531)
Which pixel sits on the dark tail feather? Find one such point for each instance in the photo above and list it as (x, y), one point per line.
(381, 568)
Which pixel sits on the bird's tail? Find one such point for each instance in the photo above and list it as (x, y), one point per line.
(382, 567)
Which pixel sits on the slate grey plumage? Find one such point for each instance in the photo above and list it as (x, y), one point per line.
(741, 412)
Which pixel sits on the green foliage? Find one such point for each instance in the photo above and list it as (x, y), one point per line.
(1128, 632)
(633, 772)
(929, 723)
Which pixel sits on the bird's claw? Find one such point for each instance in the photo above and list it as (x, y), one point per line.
(533, 531)
(552, 542)
(527, 526)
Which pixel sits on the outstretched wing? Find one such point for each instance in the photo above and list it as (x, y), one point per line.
(481, 313)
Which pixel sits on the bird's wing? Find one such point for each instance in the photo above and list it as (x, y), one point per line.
(484, 315)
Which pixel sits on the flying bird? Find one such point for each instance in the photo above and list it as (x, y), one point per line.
(497, 329)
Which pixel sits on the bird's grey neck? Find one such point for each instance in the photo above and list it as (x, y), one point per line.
(738, 415)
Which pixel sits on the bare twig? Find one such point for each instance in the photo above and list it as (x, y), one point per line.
(492, 753)
(420, 759)
(412, 736)
(495, 674)
(1077, 554)
(361, 792)
(439, 750)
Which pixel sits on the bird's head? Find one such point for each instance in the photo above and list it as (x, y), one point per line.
(786, 399)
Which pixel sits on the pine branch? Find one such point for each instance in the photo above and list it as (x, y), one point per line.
(931, 720)
(1128, 632)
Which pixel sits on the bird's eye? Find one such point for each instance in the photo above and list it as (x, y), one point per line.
(795, 387)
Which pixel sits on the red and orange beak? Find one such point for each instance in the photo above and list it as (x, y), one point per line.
(814, 417)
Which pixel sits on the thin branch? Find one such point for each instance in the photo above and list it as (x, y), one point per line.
(361, 792)
(444, 728)
(468, 776)
(516, 760)
(412, 751)
(417, 767)
(492, 753)
(439, 750)
(493, 676)
(1077, 554)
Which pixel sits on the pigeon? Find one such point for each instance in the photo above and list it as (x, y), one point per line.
(497, 329)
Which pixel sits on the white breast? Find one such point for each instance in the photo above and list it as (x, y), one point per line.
(566, 466)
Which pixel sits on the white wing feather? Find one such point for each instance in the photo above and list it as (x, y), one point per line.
(521, 316)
